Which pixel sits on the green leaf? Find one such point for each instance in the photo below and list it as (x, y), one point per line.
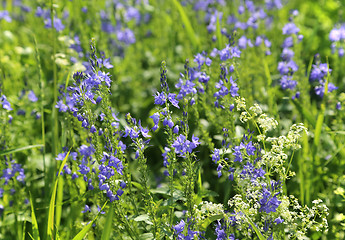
(143, 218)
(108, 222)
(50, 225)
(137, 185)
(187, 24)
(19, 149)
(59, 199)
(140, 218)
(257, 231)
(219, 34)
(209, 220)
(84, 231)
(35, 231)
(146, 236)
(306, 114)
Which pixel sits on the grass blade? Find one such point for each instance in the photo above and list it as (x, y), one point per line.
(108, 222)
(84, 231)
(257, 231)
(19, 149)
(206, 222)
(306, 114)
(321, 115)
(219, 34)
(187, 24)
(59, 199)
(50, 225)
(35, 231)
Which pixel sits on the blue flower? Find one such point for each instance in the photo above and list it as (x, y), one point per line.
(320, 90)
(187, 87)
(132, 13)
(287, 83)
(32, 97)
(155, 118)
(5, 15)
(160, 98)
(250, 148)
(237, 153)
(182, 145)
(290, 28)
(319, 72)
(278, 220)
(61, 156)
(126, 36)
(172, 100)
(338, 106)
(57, 24)
(86, 209)
(267, 202)
(5, 104)
(201, 59)
(287, 54)
(179, 227)
(220, 231)
(215, 155)
(288, 42)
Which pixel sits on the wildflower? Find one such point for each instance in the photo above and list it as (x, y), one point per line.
(57, 24)
(201, 59)
(267, 202)
(32, 97)
(220, 231)
(338, 106)
(5, 103)
(237, 153)
(290, 28)
(179, 227)
(126, 36)
(215, 155)
(182, 145)
(61, 156)
(86, 209)
(176, 129)
(286, 82)
(5, 15)
(132, 13)
(172, 100)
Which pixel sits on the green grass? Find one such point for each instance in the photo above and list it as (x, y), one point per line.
(29, 60)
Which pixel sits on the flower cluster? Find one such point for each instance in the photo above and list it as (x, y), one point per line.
(337, 37)
(12, 178)
(86, 100)
(45, 14)
(222, 86)
(6, 16)
(181, 231)
(183, 146)
(287, 67)
(5, 103)
(124, 15)
(260, 204)
(319, 77)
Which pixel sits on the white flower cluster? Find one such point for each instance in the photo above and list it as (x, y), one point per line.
(267, 123)
(206, 209)
(255, 112)
(240, 103)
(298, 220)
(276, 157)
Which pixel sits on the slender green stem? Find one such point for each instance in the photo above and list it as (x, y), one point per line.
(38, 62)
(55, 135)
